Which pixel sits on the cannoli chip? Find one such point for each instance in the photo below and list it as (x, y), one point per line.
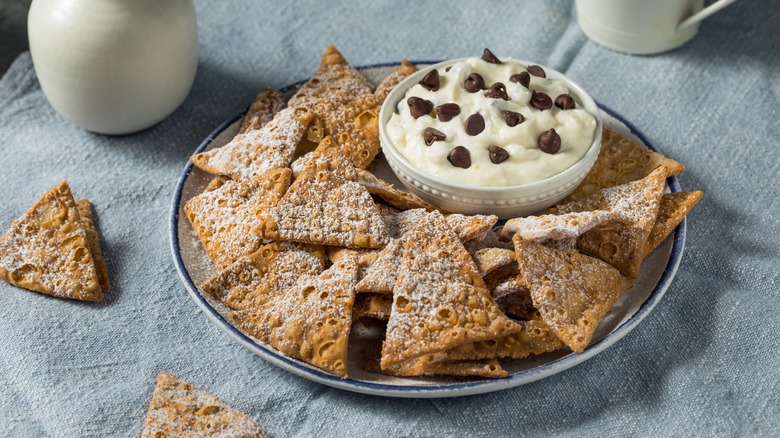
(622, 245)
(390, 81)
(335, 80)
(256, 151)
(572, 291)
(467, 228)
(274, 267)
(535, 337)
(490, 259)
(179, 409)
(380, 276)
(558, 227)
(620, 161)
(230, 221)
(263, 109)
(429, 366)
(440, 301)
(326, 205)
(310, 321)
(391, 195)
(87, 221)
(47, 250)
(674, 207)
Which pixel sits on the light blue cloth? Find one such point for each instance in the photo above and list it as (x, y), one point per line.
(705, 362)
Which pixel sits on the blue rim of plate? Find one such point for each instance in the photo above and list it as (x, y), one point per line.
(423, 391)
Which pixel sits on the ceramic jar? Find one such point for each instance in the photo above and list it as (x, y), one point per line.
(114, 66)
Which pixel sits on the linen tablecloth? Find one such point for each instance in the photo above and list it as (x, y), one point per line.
(705, 361)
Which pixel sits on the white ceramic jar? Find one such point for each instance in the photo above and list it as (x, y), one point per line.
(114, 66)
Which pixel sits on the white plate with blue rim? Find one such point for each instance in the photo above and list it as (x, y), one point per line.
(194, 267)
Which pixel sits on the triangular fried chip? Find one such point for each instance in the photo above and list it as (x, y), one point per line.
(335, 80)
(572, 291)
(432, 365)
(272, 268)
(365, 257)
(372, 305)
(326, 205)
(622, 245)
(535, 337)
(467, 228)
(178, 409)
(558, 226)
(391, 195)
(620, 161)
(390, 81)
(674, 207)
(310, 321)
(47, 250)
(230, 220)
(265, 106)
(440, 301)
(490, 259)
(257, 151)
(85, 216)
(381, 274)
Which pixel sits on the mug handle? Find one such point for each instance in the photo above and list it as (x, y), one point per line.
(704, 13)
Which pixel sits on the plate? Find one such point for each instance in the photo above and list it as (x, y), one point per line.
(634, 305)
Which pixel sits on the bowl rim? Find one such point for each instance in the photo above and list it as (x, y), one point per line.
(392, 153)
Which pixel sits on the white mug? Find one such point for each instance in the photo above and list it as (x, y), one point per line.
(643, 27)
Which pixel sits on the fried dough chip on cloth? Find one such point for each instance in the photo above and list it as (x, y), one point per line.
(230, 221)
(326, 205)
(432, 365)
(620, 161)
(572, 291)
(372, 305)
(87, 221)
(273, 268)
(622, 245)
(440, 301)
(310, 321)
(178, 409)
(535, 337)
(391, 195)
(47, 250)
(390, 81)
(257, 151)
(263, 109)
(674, 207)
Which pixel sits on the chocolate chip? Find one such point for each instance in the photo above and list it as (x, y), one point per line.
(449, 67)
(564, 101)
(497, 154)
(460, 157)
(488, 56)
(540, 100)
(536, 71)
(474, 82)
(447, 111)
(497, 91)
(431, 80)
(475, 124)
(550, 141)
(512, 118)
(430, 135)
(522, 78)
(419, 107)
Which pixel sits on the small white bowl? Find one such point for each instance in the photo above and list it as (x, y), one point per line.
(504, 202)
